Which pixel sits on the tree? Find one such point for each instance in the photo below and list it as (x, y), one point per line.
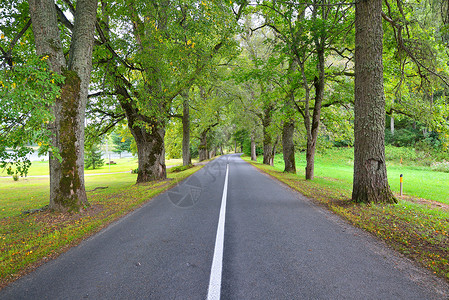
(67, 191)
(173, 139)
(288, 126)
(370, 173)
(121, 143)
(168, 45)
(259, 76)
(308, 34)
(207, 115)
(93, 156)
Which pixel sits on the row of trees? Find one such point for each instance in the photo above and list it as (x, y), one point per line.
(221, 70)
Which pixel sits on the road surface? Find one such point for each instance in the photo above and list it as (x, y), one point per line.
(273, 244)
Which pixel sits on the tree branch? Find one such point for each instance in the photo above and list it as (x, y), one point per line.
(63, 18)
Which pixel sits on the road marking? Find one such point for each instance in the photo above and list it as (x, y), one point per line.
(217, 262)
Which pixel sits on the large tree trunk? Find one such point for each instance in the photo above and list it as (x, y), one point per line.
(288, 147)
(202, 149)
(253, 147)
(67, 191)
(273, 151)
(151, 153)
(149, 138)
(267, 139)
(267, 148)
(213, 153)
(370, 173)
(288, 128)
(186, 157)
(312, 135)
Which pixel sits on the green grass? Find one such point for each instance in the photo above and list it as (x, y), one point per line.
(337, 163)
(30, 193)
(418, 230)
(28, 240)
(123, 164)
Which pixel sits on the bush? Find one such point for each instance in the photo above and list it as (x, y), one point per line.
(179, 168)
(398, 153)
(403, 137)
(343, 143)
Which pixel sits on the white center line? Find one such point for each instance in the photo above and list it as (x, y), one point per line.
(217, 261)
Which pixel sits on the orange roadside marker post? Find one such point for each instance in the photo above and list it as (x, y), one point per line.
(400, 180)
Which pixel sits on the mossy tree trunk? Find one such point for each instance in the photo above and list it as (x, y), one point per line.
(151, 152)
(370, 174)
(67, 191)
(202, 149)
(149, 134)
(267, 139)
(288, 128)
(186, 157)
(288, 147)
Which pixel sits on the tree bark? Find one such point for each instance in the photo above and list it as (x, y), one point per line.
(312, 135)
(149, 139)
(288, 128)
(273, 151)
(67, 190)
(213, 153)
(267, 139)
(253, 147)
(151, 152)
(267, 148)
(370, 173)
(392, 121)
(186, 157)
(392, 124)
(288, 147)
(202, 149)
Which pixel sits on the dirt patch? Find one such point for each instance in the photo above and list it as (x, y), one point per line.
(51, 218)
(431, 203)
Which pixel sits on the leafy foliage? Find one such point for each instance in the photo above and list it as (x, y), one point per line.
(121, 143)
(27, 91)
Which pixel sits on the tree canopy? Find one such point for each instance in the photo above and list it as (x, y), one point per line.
(195, 77)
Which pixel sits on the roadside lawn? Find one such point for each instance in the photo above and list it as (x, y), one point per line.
(28, 240)
(337, 163)
(122, 165)
(417, 228)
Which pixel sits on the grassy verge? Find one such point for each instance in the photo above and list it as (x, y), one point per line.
(27, 241)
(421, 232)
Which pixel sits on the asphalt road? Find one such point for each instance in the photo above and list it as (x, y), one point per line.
(277, 245)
